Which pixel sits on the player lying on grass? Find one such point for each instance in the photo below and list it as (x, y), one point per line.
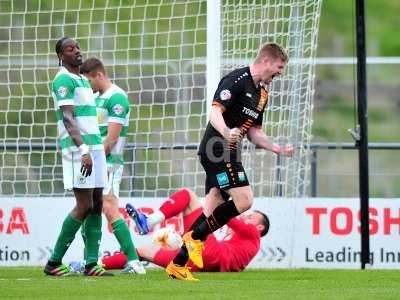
(232, 254)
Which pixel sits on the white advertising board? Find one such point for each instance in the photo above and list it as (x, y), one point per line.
(305, 233)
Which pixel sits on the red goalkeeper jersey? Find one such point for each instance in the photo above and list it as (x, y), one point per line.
(233, 254)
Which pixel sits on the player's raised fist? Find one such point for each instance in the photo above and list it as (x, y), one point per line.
(232, 135)
(286, 150)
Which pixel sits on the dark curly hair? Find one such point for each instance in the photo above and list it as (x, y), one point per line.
(60, 47)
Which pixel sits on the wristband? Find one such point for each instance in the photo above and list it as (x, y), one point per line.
(83, 149)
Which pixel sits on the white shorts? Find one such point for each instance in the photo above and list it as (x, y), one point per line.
(73, 178)
(114, 180)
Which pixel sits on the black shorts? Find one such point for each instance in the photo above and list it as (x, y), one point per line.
(223, 175)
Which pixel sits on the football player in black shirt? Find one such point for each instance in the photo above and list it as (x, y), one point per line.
(237, 110)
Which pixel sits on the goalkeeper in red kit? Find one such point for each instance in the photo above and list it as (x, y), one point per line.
(231, 254)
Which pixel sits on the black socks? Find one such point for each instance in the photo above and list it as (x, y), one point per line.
(203, 226)
(220, 216)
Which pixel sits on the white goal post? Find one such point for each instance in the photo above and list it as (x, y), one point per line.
(169, 56)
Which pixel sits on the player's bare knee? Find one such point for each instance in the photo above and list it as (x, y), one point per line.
(249, 198)
(242, 207)
(82, 209)
(243, 201)
(110, 209)
(106, 205)
(215, 193)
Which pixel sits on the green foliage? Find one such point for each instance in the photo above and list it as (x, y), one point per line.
(339, 114)
(337, 25)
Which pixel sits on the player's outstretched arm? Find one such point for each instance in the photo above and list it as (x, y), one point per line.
(260, 139)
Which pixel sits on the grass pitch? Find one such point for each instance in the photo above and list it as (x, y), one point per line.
(31, 283)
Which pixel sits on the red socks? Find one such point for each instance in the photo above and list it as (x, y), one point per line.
(176, 203)
(116, 261)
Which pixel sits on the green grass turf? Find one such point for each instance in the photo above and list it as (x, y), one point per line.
(30, 283)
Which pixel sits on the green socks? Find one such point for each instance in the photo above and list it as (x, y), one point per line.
(83, 233)
(67, 235)
(121, 231)
(91, 233)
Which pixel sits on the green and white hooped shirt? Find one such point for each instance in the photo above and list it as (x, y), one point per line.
(113, 107)
(70, 89)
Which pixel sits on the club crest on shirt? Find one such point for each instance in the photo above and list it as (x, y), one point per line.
(62, 91)
(118, 109)
(225, 95)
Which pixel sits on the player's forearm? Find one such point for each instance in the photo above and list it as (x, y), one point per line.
(260, 139)
(72, 128)
(265, 142)
(108, 144)
(114, 130)
(217, 121)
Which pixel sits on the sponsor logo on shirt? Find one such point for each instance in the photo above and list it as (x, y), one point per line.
(62, 91)
(118, 109)
(225, 95)
(101, 116)
(241, 176)
(223, 180)
(249, 95)
(250, 112)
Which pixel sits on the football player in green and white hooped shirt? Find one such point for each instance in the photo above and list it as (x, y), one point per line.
(113, 118)
(83, 160)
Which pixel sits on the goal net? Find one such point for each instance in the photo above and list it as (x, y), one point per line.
(157, 52)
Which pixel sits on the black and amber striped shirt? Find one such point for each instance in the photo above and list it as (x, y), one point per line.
(243, 106)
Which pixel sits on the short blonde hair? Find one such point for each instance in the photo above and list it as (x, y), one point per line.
(271, 50)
